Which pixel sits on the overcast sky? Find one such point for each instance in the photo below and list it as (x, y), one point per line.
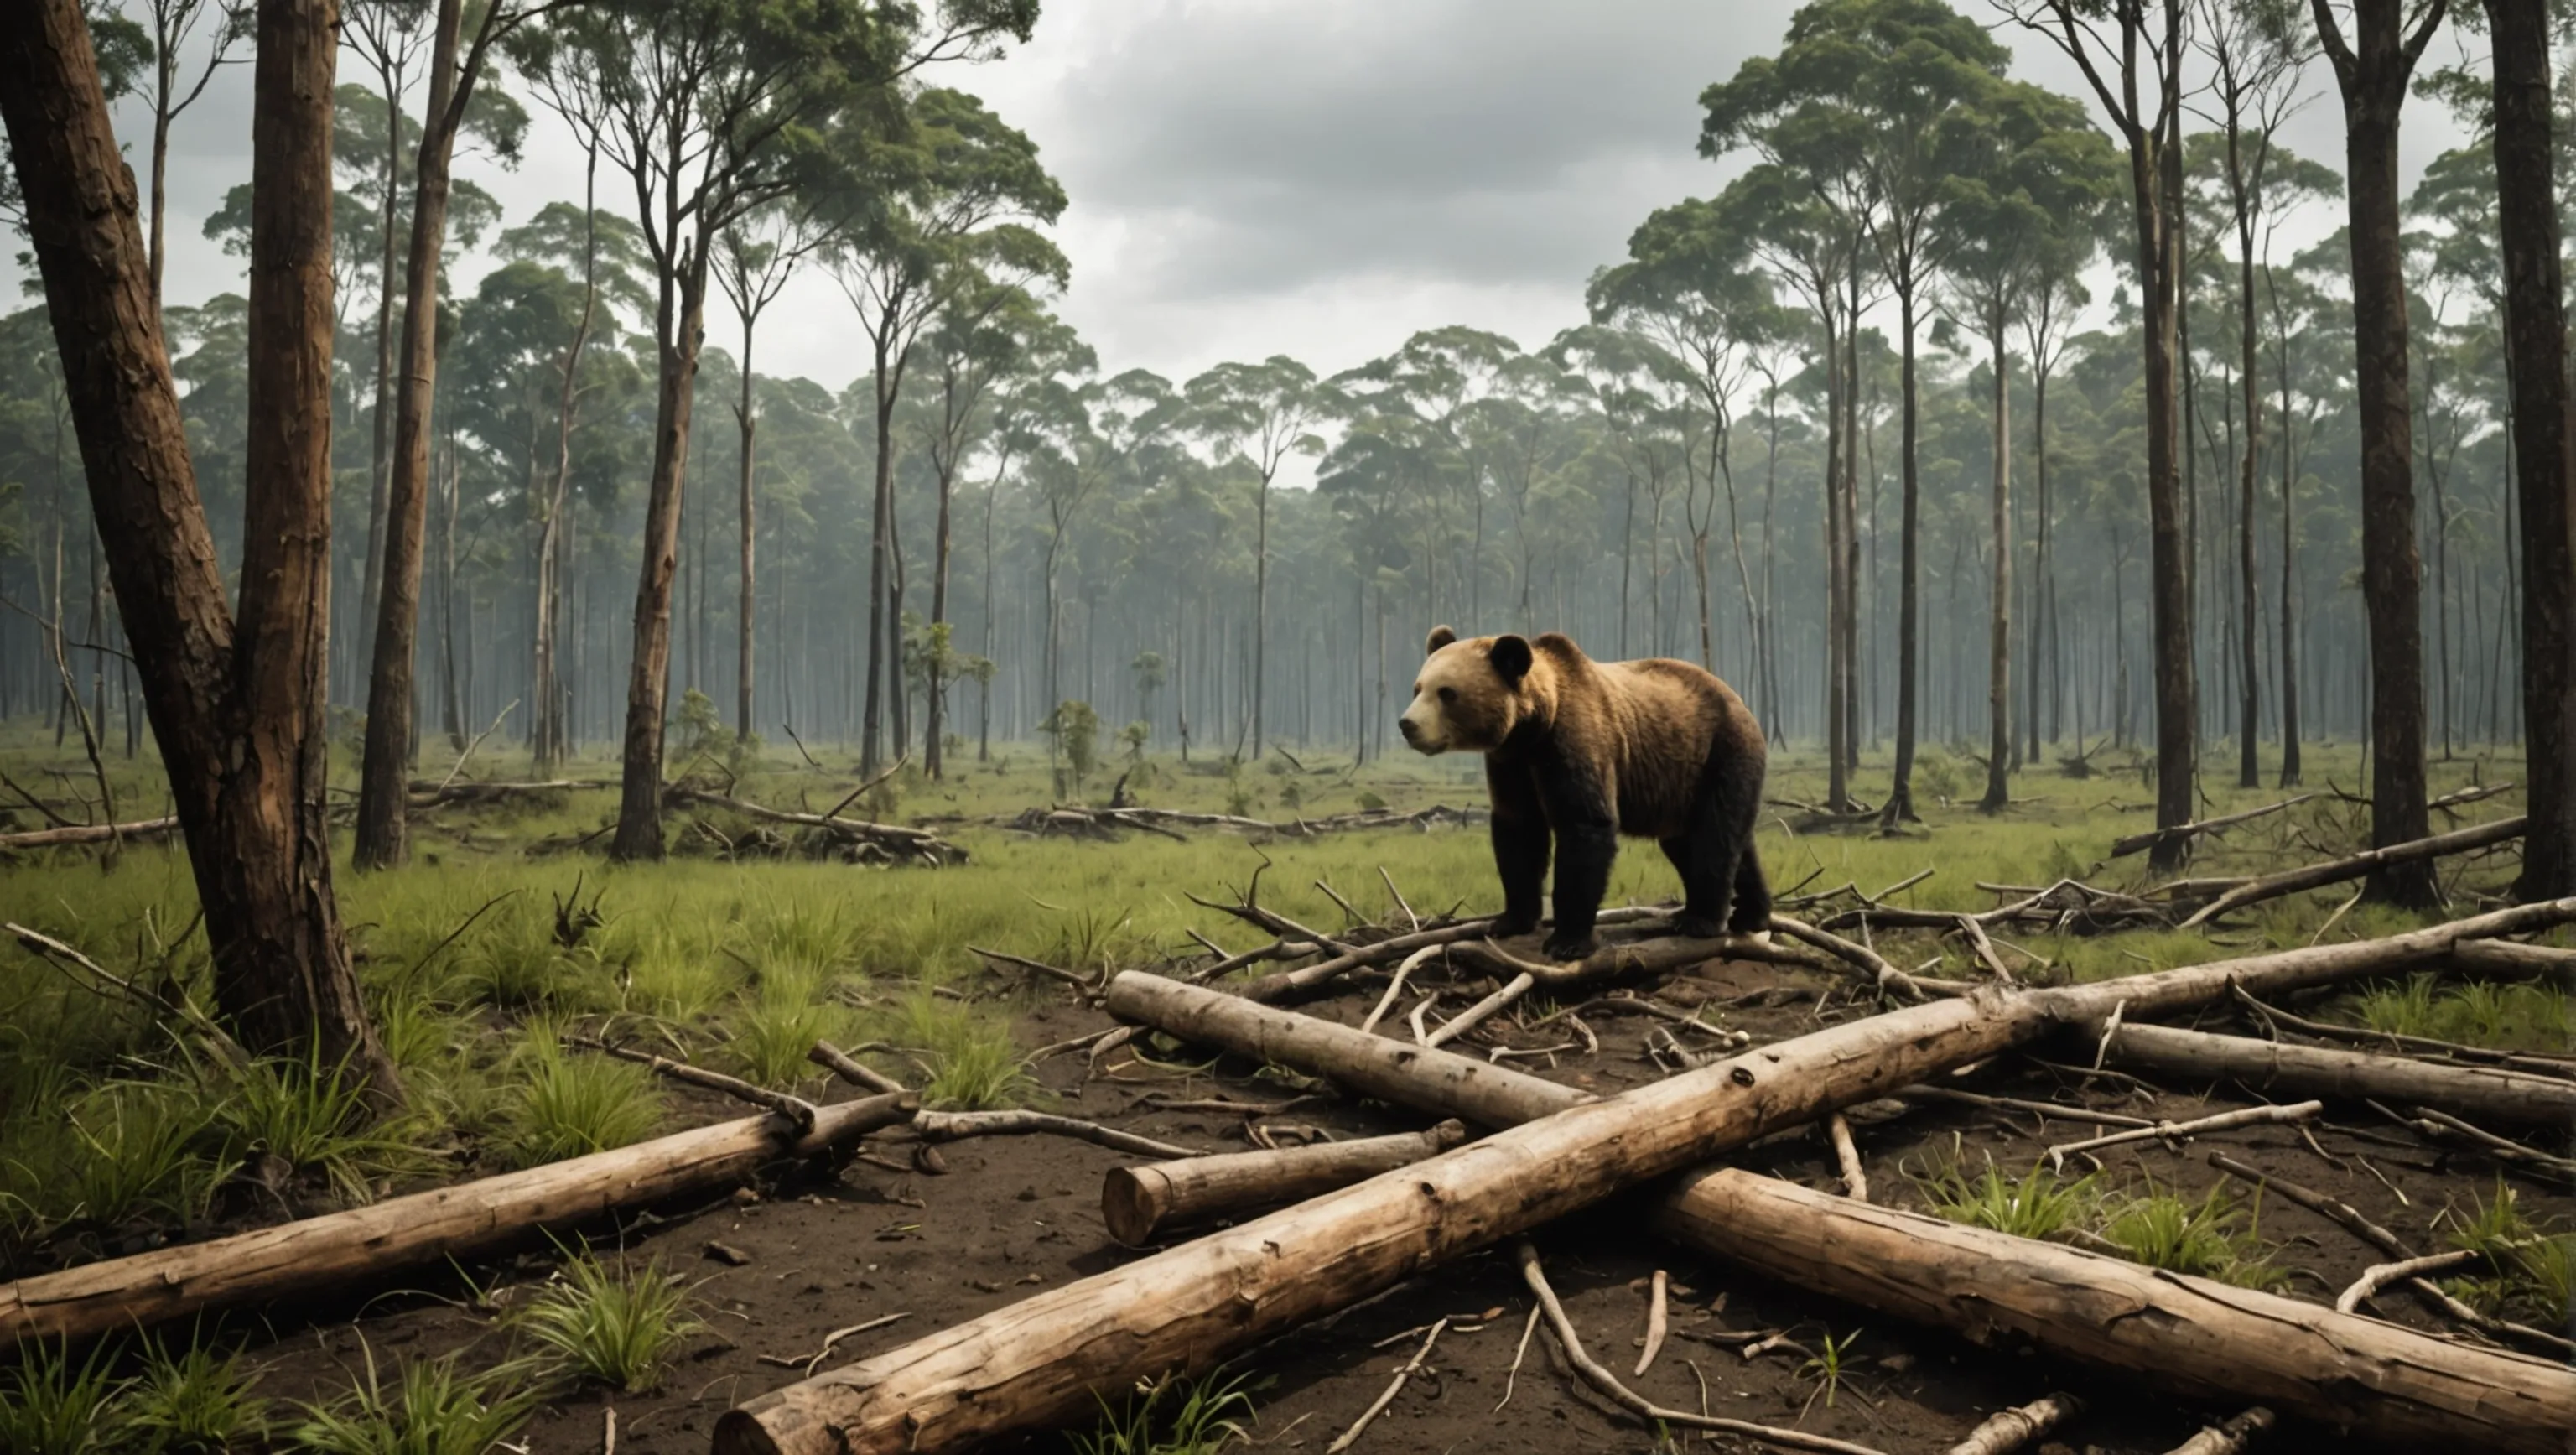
(1318, 178)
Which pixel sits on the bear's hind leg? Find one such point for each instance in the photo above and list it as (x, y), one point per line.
(1752, 912)
(1707, 877)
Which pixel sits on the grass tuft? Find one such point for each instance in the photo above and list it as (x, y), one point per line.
(317, 1121)
(52, 1406)
(436, 1408)
(618, 1327)
(2211, 1238)
(196, 1402)
(571, 1106)
(1175, 1415)
(2032, 1206)
(974, 1063)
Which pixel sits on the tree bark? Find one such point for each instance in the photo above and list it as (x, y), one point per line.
(2369, 862)
(2153, 163)
(681, 320)
(381, 840)
(2193, 1336)
(2371, 74)
(748, 601)
(1999, 644)
(2516, 1096)
(236, 705)
(330, 1254)
(1900, 793)
(1142, 1204)
(2544, 437)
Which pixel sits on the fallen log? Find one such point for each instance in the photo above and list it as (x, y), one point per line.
(329, 1254)
(86, 833)
(2336, 871)
(2193, 1336)
(1312, 979)
(2005, 1431)
(2513, 1096)
(425, 794)
(1141, 1204)
(2123, 847)
(920, 844)
(2509, 960)
(1039, 1361)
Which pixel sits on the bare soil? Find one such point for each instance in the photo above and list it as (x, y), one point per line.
(1004, 1217)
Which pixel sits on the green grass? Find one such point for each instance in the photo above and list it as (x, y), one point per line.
(2034, 1205)
(1175, 1415)
(316, 1120)
(2525, 1017)
(617, 1327)
(50, 1405)
(2534, 1264)
(567, 1105)
(974, 1062)
(194, 1402)
(2211, 1238)
(433, 1407)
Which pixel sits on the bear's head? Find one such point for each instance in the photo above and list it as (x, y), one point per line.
(1470, 694)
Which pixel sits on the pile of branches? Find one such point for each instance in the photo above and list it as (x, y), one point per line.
(778, 833)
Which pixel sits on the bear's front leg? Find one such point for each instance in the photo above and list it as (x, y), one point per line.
(1585, 849)
(1520, 836)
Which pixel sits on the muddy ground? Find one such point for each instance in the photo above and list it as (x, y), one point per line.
(1009, 1216)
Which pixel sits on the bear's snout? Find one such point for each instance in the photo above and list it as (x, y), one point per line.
(1414, 735)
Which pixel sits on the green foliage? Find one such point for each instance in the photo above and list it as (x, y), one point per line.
(142, 1153)
(1174, 1415)
(196, 1402)
(571, 1106)
(974, 1063)
(436, 1408)
(1825, 1369)
(617, 1327)
(1075, 729)
(2032, 1206)
(2211, 1238)
(2529, 1016)
(316, 1121)
(776, 1027)
(2535, 1267)
(52, 1406)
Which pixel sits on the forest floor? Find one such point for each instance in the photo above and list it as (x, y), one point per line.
(739, 953)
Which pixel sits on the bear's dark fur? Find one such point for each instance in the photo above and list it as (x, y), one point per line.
(1585, 751)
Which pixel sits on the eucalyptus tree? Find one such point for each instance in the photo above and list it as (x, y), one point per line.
(176, 82)
(236, 698)
(1091, 433)
(2132, 54)
(708, 107)
(2257, 50)
(1381, 465)
(941, 207)
(387, 35)
(1622, 373)
(1886, 92)
(2055, 298)
(2372, 68)
(757, 258)
(1431, 379)
(977, 339)
(2032, 180)
(455, 99)
(1264, 413)
(2544, 454)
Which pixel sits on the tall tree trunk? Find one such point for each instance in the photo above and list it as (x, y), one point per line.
(237, 706)
(386, 764)
(2249, 370)
(1261, 606)
(1837, 444)
(2155, 164)
(2289, 568)
(938, 663)
(2373, 73)
(378, 486)
(548, 683)
(681, 320)
(880, 523)
(2544, 439)
(1909, 619)
(748, 601)
(1999, 644)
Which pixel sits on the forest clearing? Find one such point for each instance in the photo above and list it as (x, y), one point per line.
(498, 965)
(835, 727)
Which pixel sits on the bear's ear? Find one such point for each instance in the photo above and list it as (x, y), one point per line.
(1441, 636)
(1511, 657)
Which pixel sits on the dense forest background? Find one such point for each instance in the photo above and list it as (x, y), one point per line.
(1057, 527)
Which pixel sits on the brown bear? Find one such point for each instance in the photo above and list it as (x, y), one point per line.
(1591, 750)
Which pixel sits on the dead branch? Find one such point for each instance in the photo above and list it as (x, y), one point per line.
(1855, 1180)
(2335, 871)
(2533, 1062)
(2123, 847)
(950, 1126)
(2380, 1275)
(840, 1063)
(75, 834)
(2005, 1431)
(2519, 1097)
(1351, 1436)
(1658, 1323)
(1621, 1395)
(917, 844)
(2230, 1438)
(796, 1110)
(2162, 1131)
(1040, 967)
(461, 758)
(1140, 1204)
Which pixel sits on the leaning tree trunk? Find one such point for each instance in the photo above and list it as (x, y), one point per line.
(385, 765)
(237, 706)
(2372, 74)
(2544, 453)
(682, 328)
